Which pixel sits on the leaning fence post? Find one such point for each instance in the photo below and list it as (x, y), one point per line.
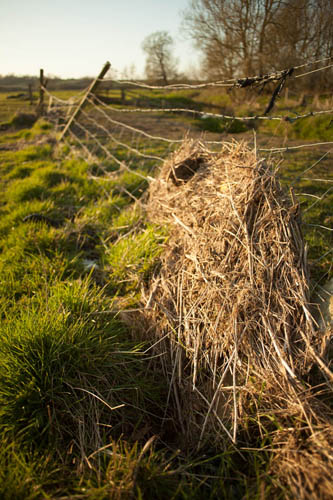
(91, 90)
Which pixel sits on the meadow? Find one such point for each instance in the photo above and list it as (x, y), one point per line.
(83, 403)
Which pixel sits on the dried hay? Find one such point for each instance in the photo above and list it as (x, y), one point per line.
(230, 306)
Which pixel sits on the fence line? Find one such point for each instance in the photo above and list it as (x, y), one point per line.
(232, 82)
(212, 115)
(92, 99)
(111, 156)
(97, 104)
(123, 144)
(66, 102)
(91, 90)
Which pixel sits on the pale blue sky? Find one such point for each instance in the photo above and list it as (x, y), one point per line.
(73, 38)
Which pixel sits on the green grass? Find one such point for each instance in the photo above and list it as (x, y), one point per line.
(72, 379)
(245, 103)
(25, 475)
(316, 206)
(131, 260)
(64, 366)
(80, 396)
(8, 107)
(317, 128)
(220, 126)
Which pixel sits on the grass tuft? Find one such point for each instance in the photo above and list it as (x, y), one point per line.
(132, 258)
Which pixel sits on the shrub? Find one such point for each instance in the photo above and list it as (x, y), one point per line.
(23, 120)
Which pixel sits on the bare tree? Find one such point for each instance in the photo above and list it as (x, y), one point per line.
(246, 37)
(303, 30)
(160, 62)
(129, 72)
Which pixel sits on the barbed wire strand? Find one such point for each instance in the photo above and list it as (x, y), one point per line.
(211, 115)
(312, 166)
(74, 99)
(82, 145)
(113, 138)
(321, 227)
(290, 148)
(321, 198)
(313, 71)
(316, 180)
(231, 82)
(121, 164)
(129, 127)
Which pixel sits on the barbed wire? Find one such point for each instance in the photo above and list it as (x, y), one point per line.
(133, 129)
(109, 155)
(70, 101)
(231, 82)
(81, 143)
(212, 115)
(171, 141)
(136, 130)
(314, 71)
(291, 148)
(93, 99)
(117, 141)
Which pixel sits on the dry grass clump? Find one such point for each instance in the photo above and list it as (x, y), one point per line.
(231, 309)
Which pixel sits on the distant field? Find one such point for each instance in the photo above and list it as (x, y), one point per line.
(8, 107)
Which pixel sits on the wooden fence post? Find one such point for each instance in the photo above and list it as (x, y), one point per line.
(286, 95)
(91, 90)
(123, 95)
(40, 106)
(30, 94)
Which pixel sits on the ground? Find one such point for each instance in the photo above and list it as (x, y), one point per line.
(81, 408)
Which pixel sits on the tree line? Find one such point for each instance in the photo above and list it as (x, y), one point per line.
(239, 38)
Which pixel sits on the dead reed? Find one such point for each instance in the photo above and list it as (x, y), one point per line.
(230, 308)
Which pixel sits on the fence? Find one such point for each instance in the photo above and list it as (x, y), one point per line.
(127, 128)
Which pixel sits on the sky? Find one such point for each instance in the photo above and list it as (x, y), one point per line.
(74, 38)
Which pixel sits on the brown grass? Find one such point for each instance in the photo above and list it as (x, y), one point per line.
(230, 308)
